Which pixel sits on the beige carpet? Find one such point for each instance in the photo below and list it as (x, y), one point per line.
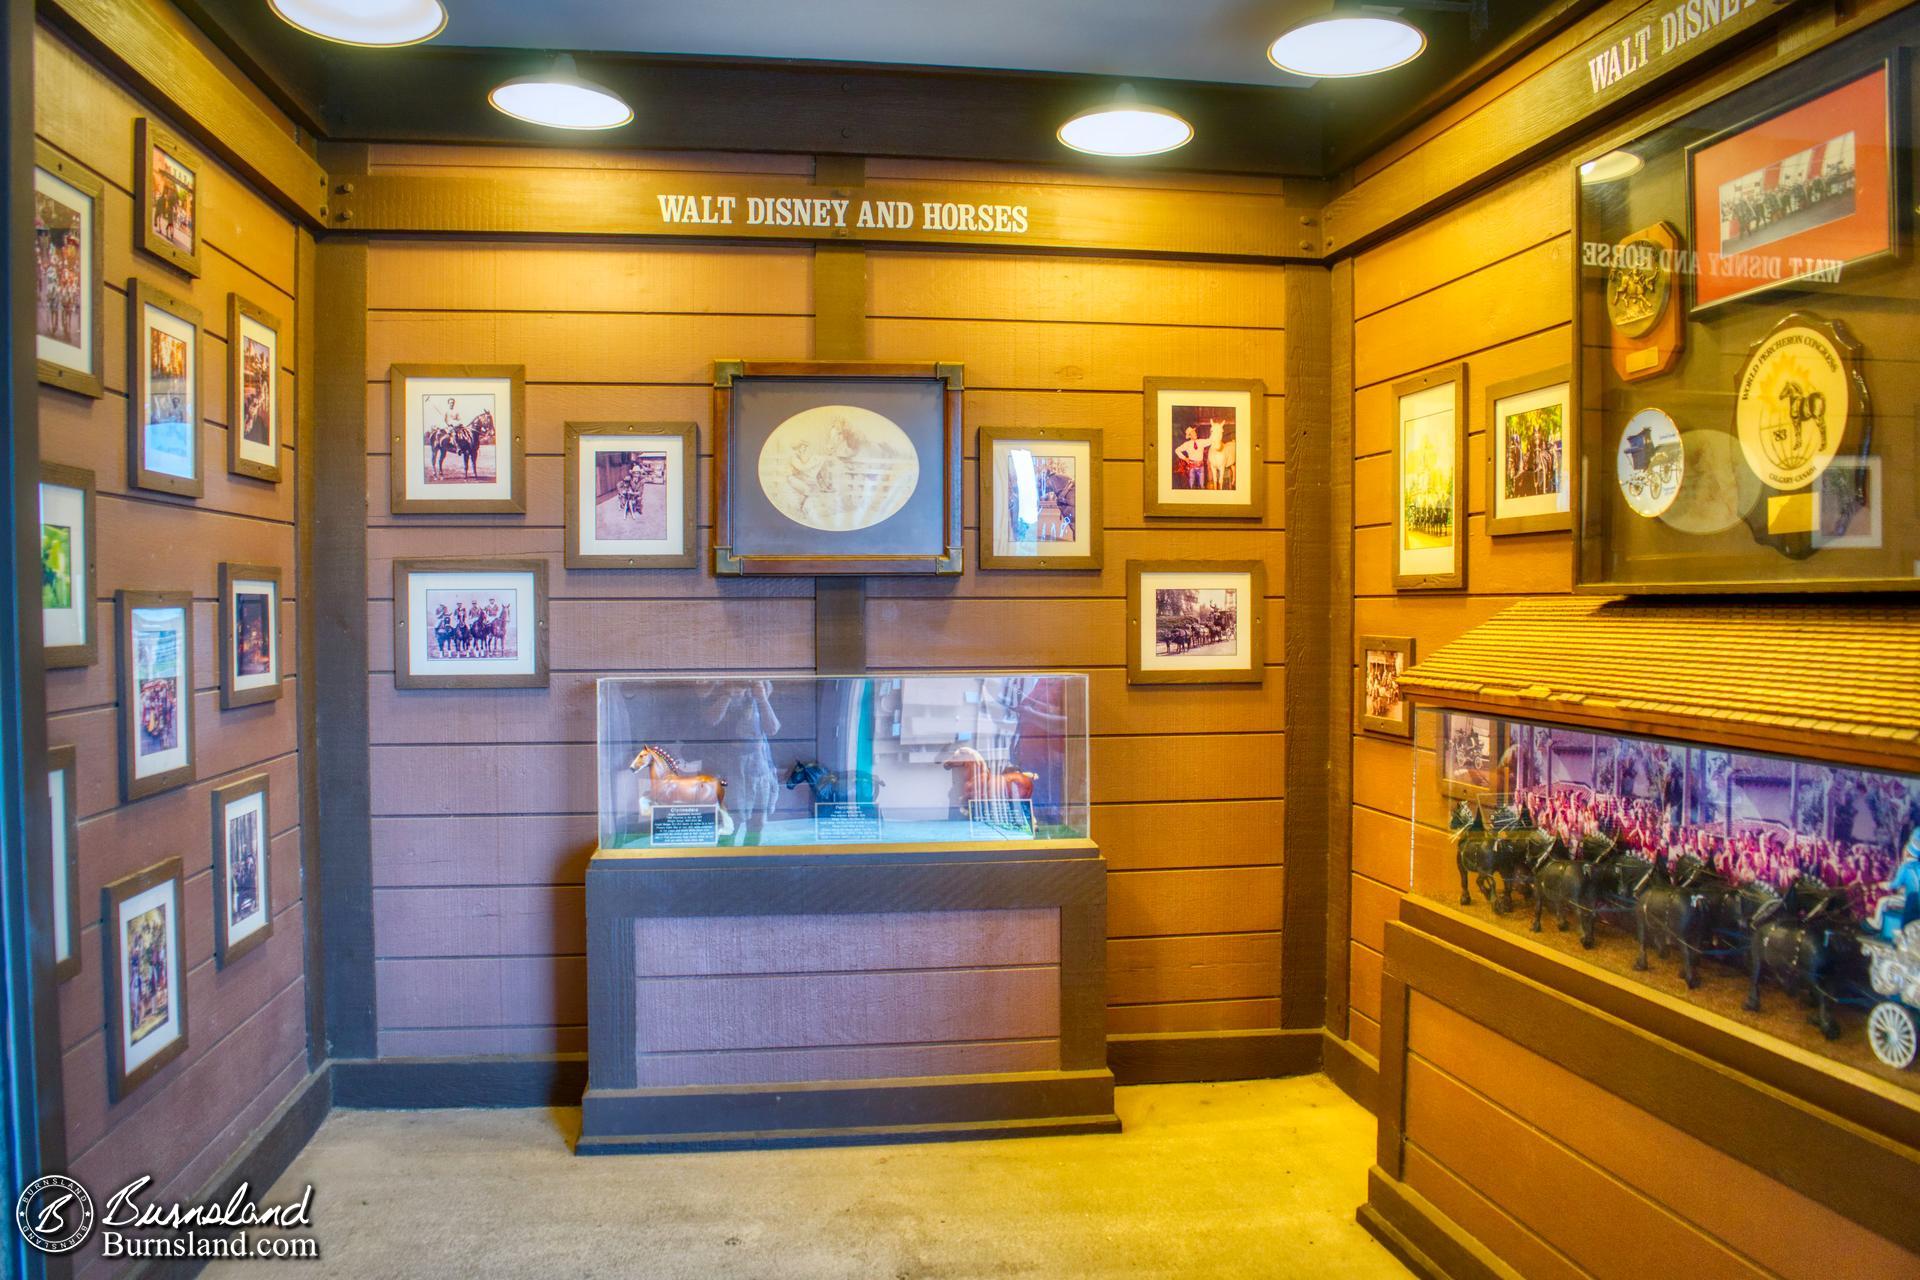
(1247, 1179)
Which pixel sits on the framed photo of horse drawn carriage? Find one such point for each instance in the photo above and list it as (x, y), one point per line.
(1040, 495)
(458, 435)
(144, 958)
(1430, 480)
(155, 633)
(253, 391)
(470, 624)
(1205, 442)
(249, 635)
(69, 263)
(631, 495)
(1196, 622)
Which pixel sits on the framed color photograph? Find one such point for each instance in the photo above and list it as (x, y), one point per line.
(1430, 469)
(163, 411)
(1470, 750)
(1530, 454)
(69, 279)
(1040, 495)
(631, 496)
(242, 902)
(63, 795)
(1382, 706)
(459, 438)
(249, 635)
(253, 391)
(156, 690)
(1205, 447)
(166, 205)
(1196, 622)
(469, 624)
(146, 977)
(67, 566)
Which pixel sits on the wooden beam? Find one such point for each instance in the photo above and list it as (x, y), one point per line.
(840, 333)
(1338, 686)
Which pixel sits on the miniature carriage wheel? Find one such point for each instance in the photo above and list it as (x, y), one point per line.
(1884, 972)
(1894, 1033)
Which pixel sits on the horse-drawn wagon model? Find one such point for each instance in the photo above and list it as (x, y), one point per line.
(1893, 1024)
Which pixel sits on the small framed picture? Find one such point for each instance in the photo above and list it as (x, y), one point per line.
(1383, 707)
(1430, 466)
(167, 196)
(242, 904)
(1471, 750)
(146, 977)
(1196, 622)
(249, 635)
(67, 566)
(253, 391)
(631, 495)
(469, 624)
(459, 443)
(156, 690)
(1206, 448)
(1530, 454)
(163, 413)
(1040, 495)
(63, 795)
(1847, 505)
(69, 273)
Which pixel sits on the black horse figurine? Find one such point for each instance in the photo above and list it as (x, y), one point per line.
(1690, 905)
(832, 788)
(1497, 860)
(1808, 941)
(1567, 886)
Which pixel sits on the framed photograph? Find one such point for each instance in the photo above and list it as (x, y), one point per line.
(1383, 707)
(469, 624)
(1206, 449)
(69, 282)
(1847, 505)
(163, 411)
(146, 975)
(1471, 750)
(167, 196)
(631, 496)
(253, 391)
(459, 439)
(242, 902)
(1196, 622)
(156, 690)
(1530, 454)
(67, 566)
(249, 635)
(63, 793)
(1040, 495)
(829, 467)
(1430, 467)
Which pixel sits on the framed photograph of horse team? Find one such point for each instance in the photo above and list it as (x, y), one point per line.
(1206, 447)
(1530, 455)
(166, 205)
(249, 635)
(459, 438)
(69, 282)
(63, 794)
(1040, 495)
(1196, 622)
(1382, 707)
(146, 976)
(242, 900)
(470, 624)
(156, 690)
(631, 495)
(253, 391)
(67, 566)
(163, 409)
(1430, 481)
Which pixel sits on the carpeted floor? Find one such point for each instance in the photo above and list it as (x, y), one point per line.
(1248, 1179)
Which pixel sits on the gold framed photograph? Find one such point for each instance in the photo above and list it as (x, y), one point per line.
(253, 391)
(1040, 495)
(1430, 472)
(470, 624)
(249, 635)
(67, 555)
(69, 284)
(146, 975)
(242, 897)
(163, 411)
(166, 174)
(632, 500)
(459, 438)
(63, 795)
(1382, 706)
(1530, 456)
(1205, 444)
(155, 632)
(1196, 622)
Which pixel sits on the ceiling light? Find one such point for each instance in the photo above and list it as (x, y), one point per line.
(366, 22)
(1126, 126)
(1347, 44)
(1610, 167)
(561, 98)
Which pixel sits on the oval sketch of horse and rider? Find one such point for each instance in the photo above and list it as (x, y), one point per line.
(838, 468)
(457, 436)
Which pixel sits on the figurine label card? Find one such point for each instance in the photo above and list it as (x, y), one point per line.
(847, 822)
(684, 826)
(630, 495)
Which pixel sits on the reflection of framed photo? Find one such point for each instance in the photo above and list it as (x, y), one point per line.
(1196, 622)
(146, 975)
(1847, 505)
(64, 793)
(166, 206)
(156, 690)
(1470, 755)
(1383, 707)
(459, 438)
(253, 391)
(69, 279)
(1530, 454)
(469, 624)
(242, 900)
(1429, 468)
(67, 566)
(1205, 447)
(825, 467)
(163, 413)
(249, 635)
(631, 497)
(1040, 495)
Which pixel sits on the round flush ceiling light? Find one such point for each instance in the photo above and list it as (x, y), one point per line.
(366, 22)
(1610, 167)
(1347, 45)
(559, 97)
(1126, 126)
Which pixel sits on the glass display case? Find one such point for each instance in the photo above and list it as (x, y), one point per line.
(796, 761)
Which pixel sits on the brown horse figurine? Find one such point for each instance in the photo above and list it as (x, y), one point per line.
(669, 783)
(980, 781)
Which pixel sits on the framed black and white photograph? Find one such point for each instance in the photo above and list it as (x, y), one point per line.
(1470, 749)
(469, 624)
(163, 409)
(459, 438)
(1196, 622)
(64, 805)
(1205, 444)
(69, 266)
(253, 391)
(630, 494)
(242, 902)
(249, 635)
(1382, 706)
(146, 977)
(1530, 454)
(166, 207)
(1040, 495)
(156, 690)
(67, 566)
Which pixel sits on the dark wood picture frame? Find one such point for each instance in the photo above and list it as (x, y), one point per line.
(225, 950)
(689, 436)
(403, 675)
(85, 653)
(83, 180)
(120, 1081)
(1455, 578)
(727, 562)
(1499, 526)
(1090, 493)
(148, 137)
(124, 603)
(63, 763)
(510, 455)
(1139, 615)
(1402, 645)
(238, 309)
(1254, 468)
(232, 574)
(140, 296)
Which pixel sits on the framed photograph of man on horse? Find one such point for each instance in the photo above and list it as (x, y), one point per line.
(1040, 495)
(1196, 622)
(1430, 480)
(459, 438)
(1206, 447)
(631, 497)
(469, 624)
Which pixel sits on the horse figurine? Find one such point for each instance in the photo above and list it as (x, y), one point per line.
(669, 783)
(980, 781)
(830, 788)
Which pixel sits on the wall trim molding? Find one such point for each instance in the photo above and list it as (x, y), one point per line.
(1186, 1057)
(1356, 1071)
(408, 1084)
(1429, 1243)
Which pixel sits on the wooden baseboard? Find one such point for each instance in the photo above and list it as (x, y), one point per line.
(1431, 1244)
(859, 1136)
(1181, 1057)
(530, 1080)
(1356, 1071)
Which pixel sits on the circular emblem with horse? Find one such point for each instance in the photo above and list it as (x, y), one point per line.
(838, 468)
(1639, 282)
(1795, 395)
(1650, 463)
